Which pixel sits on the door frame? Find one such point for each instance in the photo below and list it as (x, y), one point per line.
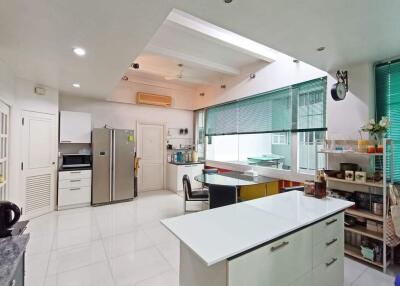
(164, 126)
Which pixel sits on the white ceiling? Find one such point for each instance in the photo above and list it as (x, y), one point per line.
(36, 37)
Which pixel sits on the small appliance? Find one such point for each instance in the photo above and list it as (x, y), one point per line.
(9, 215)
(71, 161)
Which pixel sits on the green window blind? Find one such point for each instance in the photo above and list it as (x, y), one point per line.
(387, 89)
(222, 119)
(300, 107)
(270, 112)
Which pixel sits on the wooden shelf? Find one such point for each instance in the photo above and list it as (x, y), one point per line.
(363, 213)
(333, 152)
(356, 252)
(365, 232)
(369, 184)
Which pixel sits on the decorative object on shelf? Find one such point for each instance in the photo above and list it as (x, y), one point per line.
(371, 149)
(349, 175)
(320, 185)
(332, 173)
(309, 188)
(377, 131)
(360, 177)
(339, 89)
(362, 145)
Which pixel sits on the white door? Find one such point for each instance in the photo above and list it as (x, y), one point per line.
(39, 140)
(4, 126)
(151, 151)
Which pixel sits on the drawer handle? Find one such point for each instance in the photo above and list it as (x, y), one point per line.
(75, 172)
(331, 242)
(331, 262)
(74, 189)
(330, 222)
(74, 181)
(274, 248)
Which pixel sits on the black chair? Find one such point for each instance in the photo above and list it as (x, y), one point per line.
(192, 195)
(222, 196)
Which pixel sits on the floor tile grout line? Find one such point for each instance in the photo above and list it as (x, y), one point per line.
(359, 276)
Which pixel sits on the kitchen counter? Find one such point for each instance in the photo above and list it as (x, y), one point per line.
(218, 234)
(287, 239)
(11, 252)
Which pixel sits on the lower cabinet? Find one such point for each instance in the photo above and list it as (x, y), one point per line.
(175, 174)
(74, 188)
(279, 263)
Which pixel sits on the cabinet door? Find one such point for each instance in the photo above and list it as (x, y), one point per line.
(183, 170)
(279, 263)
(75, 127)
(330, 273)
(196, 170)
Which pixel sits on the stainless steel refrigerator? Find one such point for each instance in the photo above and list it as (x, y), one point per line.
(113, 165)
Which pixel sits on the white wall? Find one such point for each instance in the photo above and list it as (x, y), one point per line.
(125, 116)
(125, 92)
(19, 95)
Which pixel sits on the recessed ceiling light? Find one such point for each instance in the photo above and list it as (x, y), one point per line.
(79, 51)
(320, 49)
(76, 85)
(228, 1)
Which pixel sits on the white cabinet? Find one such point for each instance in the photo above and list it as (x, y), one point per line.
(280, 263)
(74, 188)
(75, 127)
(175, 174)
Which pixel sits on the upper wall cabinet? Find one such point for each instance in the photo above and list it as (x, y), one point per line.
(75, 127)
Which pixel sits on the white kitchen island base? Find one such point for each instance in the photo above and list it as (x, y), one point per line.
(287, 239)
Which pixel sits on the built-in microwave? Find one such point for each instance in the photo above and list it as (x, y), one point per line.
(76, 160)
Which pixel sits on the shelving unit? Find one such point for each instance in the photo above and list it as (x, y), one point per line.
(386, 160)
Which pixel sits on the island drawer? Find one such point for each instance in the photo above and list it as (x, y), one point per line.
(330, 272)
(324, 230)
(328, 249)
(279, 263)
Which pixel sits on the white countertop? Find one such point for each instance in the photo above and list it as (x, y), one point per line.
(217, 234)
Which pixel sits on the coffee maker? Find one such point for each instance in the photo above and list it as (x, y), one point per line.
(9, 215)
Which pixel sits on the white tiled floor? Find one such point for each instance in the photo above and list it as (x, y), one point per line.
(123, 244)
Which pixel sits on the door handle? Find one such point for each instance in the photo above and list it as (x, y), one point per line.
(283, 244)
(330, 222)
(331, 262)
(331, 242)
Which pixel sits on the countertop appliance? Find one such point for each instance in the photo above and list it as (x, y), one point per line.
(9, 215)
(113, 165)
(74, 161)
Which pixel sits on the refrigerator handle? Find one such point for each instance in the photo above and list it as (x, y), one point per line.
(111, 155)
(113, 163)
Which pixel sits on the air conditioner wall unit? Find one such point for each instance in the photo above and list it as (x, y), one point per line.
(153, 99)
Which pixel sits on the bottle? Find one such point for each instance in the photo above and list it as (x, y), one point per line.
(320, 185)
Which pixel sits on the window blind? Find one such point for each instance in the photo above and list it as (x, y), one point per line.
(387, 89)
(299, 107)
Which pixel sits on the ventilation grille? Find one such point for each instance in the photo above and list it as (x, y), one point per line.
(37, 192)
(153, 99)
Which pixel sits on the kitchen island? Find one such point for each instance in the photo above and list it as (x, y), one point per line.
(281, 240)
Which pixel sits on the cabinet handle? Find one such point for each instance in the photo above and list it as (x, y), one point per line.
(75, 172)
(330, 222)
(74, 189)
(331, 262)
(74, 181)
(331, 242)
(284, 243)
(65, 141)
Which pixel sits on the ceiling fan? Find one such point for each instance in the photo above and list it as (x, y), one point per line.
(182, 77)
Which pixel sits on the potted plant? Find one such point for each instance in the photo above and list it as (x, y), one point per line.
(377, 131)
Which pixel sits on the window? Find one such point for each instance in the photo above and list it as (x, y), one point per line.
(258, 130)
(387, 89)
(280, 138)
(199, 121)
(309, 143)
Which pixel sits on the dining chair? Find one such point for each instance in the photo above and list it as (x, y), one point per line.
(192, 195)
(222, 196)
